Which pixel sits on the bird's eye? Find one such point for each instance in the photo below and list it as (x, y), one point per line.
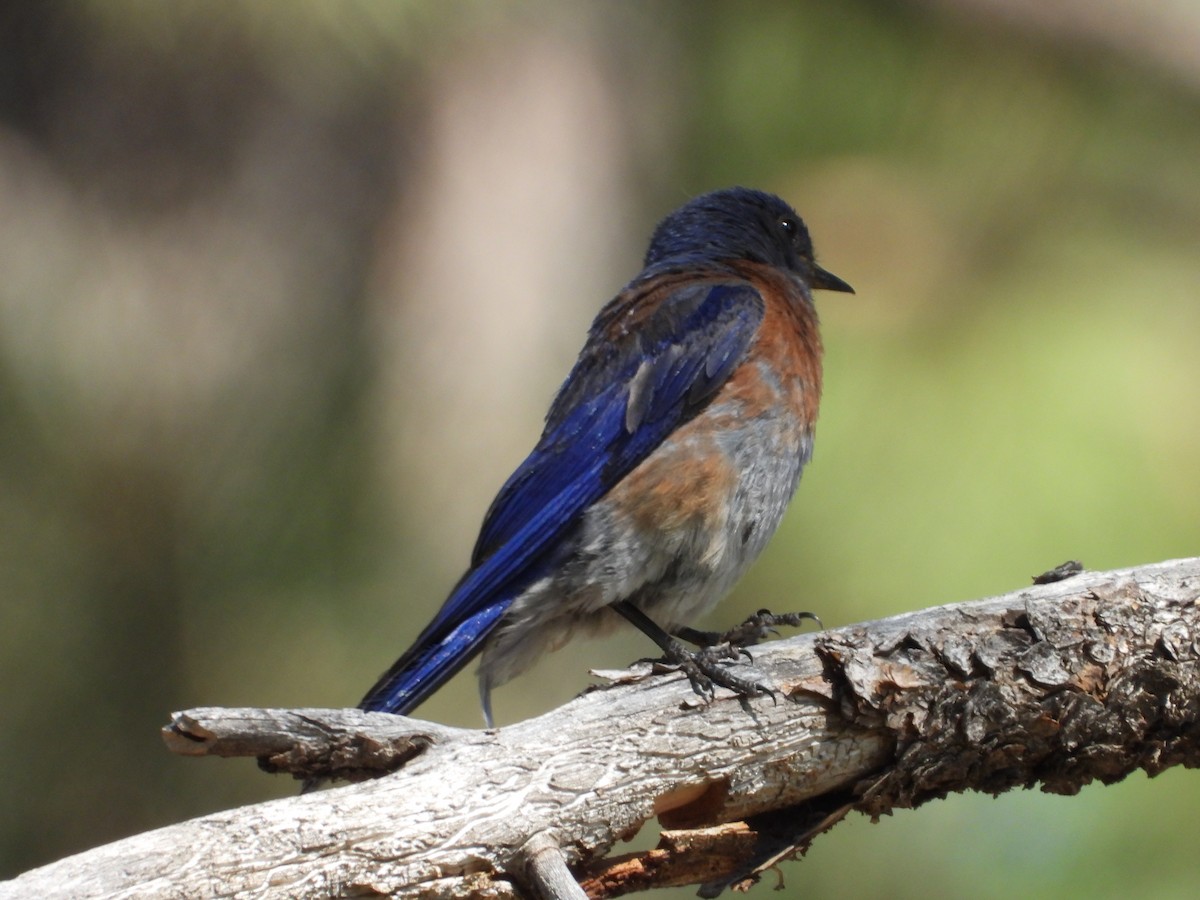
(792, 229)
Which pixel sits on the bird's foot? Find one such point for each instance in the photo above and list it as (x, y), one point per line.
(763, 624)
(706, 670)
(755, 629)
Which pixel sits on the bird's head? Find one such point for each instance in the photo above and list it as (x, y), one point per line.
(737, 224)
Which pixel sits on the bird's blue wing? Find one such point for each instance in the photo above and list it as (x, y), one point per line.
(626, 394)
(622, 400)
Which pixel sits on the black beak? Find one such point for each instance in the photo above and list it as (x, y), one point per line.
(827, 281)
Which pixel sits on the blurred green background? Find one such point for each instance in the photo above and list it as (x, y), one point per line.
(285, 288)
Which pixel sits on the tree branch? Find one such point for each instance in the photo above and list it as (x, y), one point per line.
(1086, 679)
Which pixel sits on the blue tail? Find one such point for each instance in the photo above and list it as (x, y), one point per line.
(430, 663)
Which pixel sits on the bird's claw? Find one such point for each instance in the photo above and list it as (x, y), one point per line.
(705, 672)
(724, 650)
(706, 669)
(763, 624)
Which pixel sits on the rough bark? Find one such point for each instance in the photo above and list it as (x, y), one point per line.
(1061, 684)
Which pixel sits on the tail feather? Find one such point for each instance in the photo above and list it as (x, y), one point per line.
(432, 661)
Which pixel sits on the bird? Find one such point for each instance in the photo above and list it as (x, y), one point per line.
(667, 460)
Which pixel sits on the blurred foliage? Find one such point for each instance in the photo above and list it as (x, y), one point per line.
(264, 267)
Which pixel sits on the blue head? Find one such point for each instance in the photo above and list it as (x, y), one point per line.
(739, 224)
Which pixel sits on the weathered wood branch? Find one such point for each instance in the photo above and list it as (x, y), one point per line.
(1086, 679)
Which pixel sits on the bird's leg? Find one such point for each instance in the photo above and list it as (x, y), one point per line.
(697, 637)
(703, 668)
(756, 628)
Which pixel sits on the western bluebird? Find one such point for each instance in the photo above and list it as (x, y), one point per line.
(666, 463)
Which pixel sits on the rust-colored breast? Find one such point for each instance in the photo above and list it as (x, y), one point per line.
(788, 344)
